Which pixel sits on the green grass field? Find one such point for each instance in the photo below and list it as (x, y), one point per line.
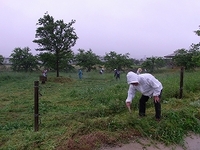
(89, 113)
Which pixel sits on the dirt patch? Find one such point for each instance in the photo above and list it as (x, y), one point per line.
(191, 142)
(95, 140)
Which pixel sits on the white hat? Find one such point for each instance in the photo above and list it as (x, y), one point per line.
(132, 77)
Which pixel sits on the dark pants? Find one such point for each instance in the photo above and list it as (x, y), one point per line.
(117, 76)
(142, 106)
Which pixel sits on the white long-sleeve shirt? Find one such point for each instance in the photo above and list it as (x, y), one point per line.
(148, 85)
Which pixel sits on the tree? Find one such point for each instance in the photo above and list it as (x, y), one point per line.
(87, 59)
(135, 61)
(196, 54)
(47, 60)
(189, 59)
(23, 60)
(1, 60)
(55, 37)
(66, 62)
(160, 62)
(153, 63)
(117, 61)
(197, 31)
(185, 58)
(196, 58)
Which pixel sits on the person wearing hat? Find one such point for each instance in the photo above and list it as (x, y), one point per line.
(149, 86)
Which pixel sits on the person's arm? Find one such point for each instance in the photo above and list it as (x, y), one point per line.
(128, 105)
(157, 87)
(131, 95)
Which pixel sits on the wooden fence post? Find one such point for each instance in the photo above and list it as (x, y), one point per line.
(181, 83)
(36, 110)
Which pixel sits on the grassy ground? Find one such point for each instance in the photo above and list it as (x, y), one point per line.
(86, 114)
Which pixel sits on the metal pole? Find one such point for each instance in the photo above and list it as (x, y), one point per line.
(36, 110)
(181, 83)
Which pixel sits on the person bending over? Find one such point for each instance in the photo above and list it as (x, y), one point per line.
(149, 86)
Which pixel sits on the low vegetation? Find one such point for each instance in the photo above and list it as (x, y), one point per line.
(89, 113)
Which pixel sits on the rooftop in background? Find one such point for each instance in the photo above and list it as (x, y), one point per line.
(171, 55)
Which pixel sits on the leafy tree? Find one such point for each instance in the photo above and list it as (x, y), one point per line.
(153, 63)
(135, 61)
(148, 64)
(198, 31)
(189, 59)
(23, 60)
(196, 54)
(160, 62)
(1, 60)
(117, 61)
(87, 59)
(196, 59)
(195, 50)
(47, 60)
(66, 62)
(55, 37)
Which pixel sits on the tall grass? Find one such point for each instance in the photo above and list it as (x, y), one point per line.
(84, 114)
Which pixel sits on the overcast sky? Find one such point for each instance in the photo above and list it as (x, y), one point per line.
(142, 28)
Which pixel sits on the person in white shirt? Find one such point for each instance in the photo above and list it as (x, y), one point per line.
(149, 86)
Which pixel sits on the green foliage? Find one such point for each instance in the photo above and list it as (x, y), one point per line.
(1, 59)
(153, 63)
(48, 61)
(55, 37)
(196, 59)
(87, 59)
(197, 32)
(90, 112)
(196, 54)
(23, 60)
(117, 61)
(184, 58)
(188, 58)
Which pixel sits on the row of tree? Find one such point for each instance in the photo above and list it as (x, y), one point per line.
(22, 60)
(56, 38)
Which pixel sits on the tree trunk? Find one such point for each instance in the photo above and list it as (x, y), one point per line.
(57, 63)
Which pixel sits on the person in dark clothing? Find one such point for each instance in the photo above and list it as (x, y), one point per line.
(117, 74)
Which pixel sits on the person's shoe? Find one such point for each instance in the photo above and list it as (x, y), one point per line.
(158, 119)
(142, 115)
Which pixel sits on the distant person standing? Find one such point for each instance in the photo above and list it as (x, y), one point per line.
(117, 74)
(44, 72)
(101, 71)
(80, 74)
(43, 78)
